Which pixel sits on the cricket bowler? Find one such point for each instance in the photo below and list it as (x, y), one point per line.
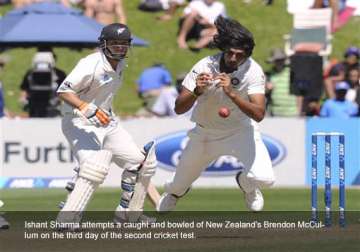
(228, 89)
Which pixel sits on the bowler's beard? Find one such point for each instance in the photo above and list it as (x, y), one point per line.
(225, 67)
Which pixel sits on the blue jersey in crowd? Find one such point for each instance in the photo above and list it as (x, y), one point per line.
(154, 77)
(339, 109)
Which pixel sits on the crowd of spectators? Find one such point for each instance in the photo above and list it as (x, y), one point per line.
(341, 88)
(155, 85)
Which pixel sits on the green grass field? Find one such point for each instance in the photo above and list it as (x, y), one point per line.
(199, 204)
(268, 24)
(106, 199)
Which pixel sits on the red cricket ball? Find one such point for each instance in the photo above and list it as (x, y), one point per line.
(224, 112)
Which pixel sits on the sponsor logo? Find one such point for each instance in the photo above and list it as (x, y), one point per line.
(30, 182)
(68, 84)
(16, 151)
(20, 183)
(235, 82)
(169, 149)
(57, 183)
(105, 79)
(120, 30)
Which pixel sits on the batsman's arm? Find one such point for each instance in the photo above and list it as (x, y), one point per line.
(89, 110)
(71, 99)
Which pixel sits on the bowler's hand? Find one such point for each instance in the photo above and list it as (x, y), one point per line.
(202, 82)
(223, 80)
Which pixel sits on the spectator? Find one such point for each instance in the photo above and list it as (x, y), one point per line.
(282, 102)
(339, 107)
(170, 7)
(39, 85)
(198, 23)
(353, 93)
(340, 71)
(165, 103)
(105, 11)
(311, 106)
(336, 6)
(150, 84)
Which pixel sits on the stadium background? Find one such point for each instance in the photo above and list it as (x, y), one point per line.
(263, 21)
(268, 24)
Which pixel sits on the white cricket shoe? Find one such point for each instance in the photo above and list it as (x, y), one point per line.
(167, 203)
(254, 199)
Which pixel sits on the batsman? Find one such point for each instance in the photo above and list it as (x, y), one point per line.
(233, 80)
(95, 134)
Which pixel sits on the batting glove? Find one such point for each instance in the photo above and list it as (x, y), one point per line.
(95, 115)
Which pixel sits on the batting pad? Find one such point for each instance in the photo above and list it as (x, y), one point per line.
(97, 167)
(128, 182)
(92, 173)
(80, 196)
(147, 170)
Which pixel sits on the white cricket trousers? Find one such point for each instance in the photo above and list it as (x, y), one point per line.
(206, 145)
(85, 139)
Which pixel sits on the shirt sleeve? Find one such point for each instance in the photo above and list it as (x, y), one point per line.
(79, 79)
(256, 80)
(190, 79)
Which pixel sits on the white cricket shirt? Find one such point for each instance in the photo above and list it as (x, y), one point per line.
(94, 81)
(248, 79)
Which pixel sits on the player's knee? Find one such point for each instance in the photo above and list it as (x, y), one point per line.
(96, 168)
(134, 160)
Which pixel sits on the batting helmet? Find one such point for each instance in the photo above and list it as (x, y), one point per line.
(115, 40)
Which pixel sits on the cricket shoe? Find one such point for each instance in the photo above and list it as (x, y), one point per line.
(167, 203)
(254, 199)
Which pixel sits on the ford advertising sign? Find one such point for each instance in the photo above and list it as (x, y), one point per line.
(170, 147)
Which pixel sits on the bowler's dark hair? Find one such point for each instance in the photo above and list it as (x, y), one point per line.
(231, 34)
